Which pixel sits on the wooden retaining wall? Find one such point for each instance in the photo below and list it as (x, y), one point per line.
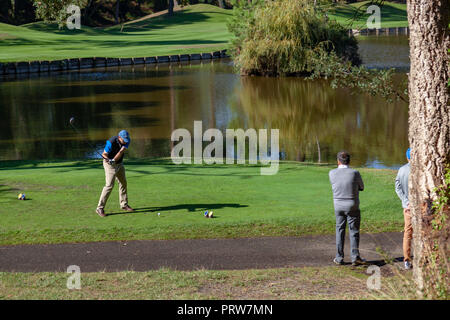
(99, 62)
(381, 31)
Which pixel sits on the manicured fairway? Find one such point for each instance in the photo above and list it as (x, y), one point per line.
(355, 16)
(198, 28)
(294, 202)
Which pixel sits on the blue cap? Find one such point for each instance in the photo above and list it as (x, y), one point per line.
(124, 135)
(408, 153)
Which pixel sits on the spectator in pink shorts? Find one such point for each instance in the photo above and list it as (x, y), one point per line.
(401, 188)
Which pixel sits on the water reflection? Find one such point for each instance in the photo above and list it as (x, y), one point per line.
(384, 51)
(315, 121)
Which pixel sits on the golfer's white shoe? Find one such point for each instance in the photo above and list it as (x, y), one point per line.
(408, 265)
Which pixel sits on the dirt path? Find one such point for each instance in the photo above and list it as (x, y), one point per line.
(217, 254)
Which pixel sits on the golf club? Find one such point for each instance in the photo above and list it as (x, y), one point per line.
(71, 122)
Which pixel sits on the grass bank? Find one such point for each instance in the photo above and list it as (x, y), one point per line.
(281, 284)
(354, 15)
(196, 28)
(296, 201)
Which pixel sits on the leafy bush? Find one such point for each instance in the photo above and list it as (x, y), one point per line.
(283, 37)
(50, 10)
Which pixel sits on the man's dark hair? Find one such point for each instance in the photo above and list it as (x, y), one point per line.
(343, 157)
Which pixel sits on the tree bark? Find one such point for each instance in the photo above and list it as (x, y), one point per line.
(14, 10)
(429, 118)
(117, 11)
(170, 9)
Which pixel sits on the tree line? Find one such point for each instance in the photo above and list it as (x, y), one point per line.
(98, 13)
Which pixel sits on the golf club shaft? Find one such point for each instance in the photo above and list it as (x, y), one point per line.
(87, 141)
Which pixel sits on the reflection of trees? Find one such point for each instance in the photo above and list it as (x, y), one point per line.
(311, 113)
(34, 113)
(30, 129)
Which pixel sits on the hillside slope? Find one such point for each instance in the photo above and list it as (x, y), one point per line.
(196, 28)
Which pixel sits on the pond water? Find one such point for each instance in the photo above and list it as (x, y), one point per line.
(315, 121)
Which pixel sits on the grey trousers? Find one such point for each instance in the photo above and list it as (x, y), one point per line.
(353, 218)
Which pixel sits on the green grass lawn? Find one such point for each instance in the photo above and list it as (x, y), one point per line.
(344, 283)
(197, 28)
(296, 201)
(354, 15)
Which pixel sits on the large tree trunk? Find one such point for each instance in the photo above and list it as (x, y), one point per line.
(429, 118)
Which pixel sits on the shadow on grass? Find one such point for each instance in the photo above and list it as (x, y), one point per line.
(167, 165)
(54, 29)
(6, 188)
(49, 35)
(379, 263)
(189, 207)
(112, 43)
(179, 18)
(163, 21)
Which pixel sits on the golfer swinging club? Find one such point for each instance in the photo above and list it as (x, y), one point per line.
(114, 169)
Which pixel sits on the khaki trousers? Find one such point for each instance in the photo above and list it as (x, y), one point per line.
(114, 172)
(407, 235)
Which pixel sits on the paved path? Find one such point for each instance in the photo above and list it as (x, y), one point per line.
(217, 254)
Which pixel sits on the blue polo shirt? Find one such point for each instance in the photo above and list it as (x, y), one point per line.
(113, 147)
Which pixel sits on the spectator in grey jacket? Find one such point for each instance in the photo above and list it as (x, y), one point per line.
(401, 188)
(346, 184)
